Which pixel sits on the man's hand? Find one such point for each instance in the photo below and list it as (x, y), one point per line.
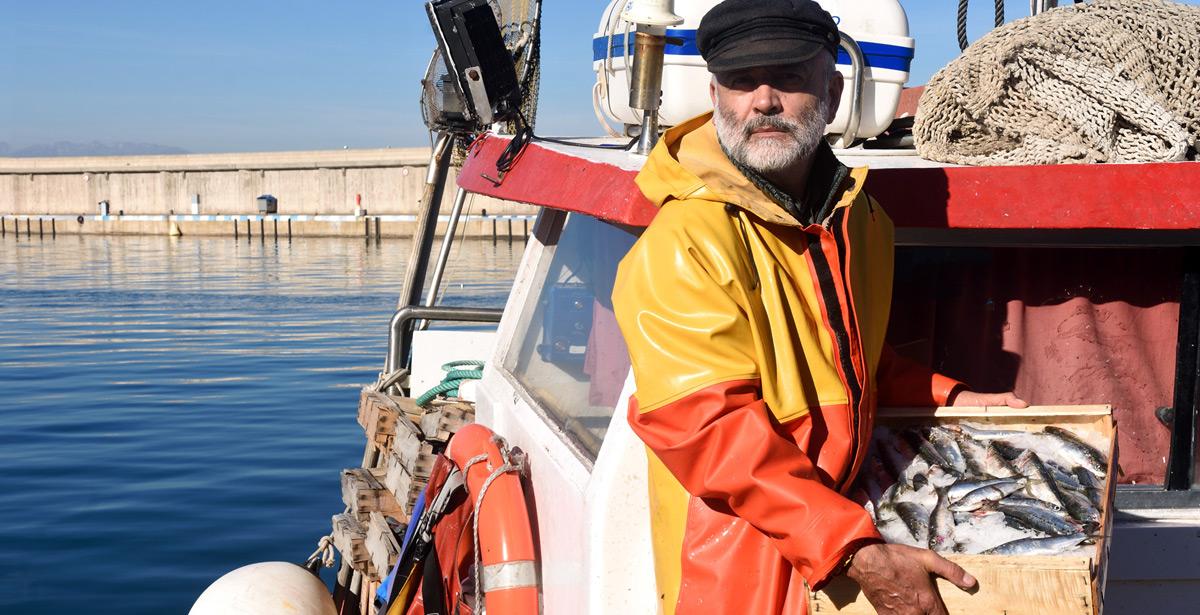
(971, 398)
(898, 579)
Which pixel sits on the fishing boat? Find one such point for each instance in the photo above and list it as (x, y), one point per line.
(1089, 261)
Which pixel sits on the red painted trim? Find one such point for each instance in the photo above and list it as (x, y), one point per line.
(1164, 196)
(551, 179)
(1157, 196)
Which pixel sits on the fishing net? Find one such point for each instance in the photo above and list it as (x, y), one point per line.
(1109, 81)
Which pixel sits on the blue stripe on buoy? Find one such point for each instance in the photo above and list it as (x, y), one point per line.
(877, 55)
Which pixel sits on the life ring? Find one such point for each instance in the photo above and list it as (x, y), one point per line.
(509, 572)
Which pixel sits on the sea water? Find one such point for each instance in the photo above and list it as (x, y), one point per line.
(174, 408)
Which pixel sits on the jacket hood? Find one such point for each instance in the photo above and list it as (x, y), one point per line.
(688, 163)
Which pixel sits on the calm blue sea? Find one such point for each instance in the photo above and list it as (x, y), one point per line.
(171, 409)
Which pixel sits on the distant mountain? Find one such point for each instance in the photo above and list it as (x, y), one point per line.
(95, 148)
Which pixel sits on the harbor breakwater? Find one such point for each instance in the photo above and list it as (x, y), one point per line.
(372, 192)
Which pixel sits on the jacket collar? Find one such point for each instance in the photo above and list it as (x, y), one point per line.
(689, 163)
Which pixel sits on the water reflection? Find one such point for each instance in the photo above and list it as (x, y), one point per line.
(172, 408)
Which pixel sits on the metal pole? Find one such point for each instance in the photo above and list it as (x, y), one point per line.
(422, 245)
(235, 229)
(435, 184)
(645, 92)
(439, 268)
(1180, 460)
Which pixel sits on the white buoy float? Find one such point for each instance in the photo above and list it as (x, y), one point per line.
(267, 588)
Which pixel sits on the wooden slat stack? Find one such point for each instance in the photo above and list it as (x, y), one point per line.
(406, 439)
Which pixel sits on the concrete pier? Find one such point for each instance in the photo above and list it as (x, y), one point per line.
(320, 193)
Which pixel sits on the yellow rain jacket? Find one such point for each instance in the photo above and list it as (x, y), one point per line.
(758, 350)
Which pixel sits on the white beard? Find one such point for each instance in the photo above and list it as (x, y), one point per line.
(766, 155)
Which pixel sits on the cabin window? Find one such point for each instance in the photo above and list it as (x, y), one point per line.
(568, 353)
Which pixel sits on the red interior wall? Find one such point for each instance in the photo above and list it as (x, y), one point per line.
(1057, 325)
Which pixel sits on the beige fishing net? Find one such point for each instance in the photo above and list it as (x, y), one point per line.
(1108, 81)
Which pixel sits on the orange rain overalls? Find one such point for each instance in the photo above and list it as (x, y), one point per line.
(758, 352)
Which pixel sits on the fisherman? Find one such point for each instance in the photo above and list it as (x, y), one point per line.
(754, 307)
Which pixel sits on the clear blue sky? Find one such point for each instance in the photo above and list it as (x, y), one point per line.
(217, 75)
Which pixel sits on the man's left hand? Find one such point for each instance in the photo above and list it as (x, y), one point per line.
(971, 398)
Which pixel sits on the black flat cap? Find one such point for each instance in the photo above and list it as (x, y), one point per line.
(737, 34)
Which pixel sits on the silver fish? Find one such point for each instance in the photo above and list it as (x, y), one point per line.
(1079, 452)
(1017, 499)
(1040, 485)
(944, 441)
(1006, 450)
(1038, 546)
(1091, 486)
(984, 460)
(1080, 507)
(962, 488)
(1062, 476)
(986, 433)
(895, 531)
(941, 524)
(1039, 519)
(917, 520)
(984, 495)
(924, 448)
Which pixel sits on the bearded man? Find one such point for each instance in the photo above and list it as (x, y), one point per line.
(754, 307)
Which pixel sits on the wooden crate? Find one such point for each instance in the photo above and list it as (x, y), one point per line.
(1010, 585)
(363, 493)
(349, 538)
(379, 415)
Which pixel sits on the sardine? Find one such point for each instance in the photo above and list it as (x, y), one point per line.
(985, 433)
(1091, 486)
(1007, 450)
(984, 460)
(945, 443)
(1080, 507)
(1062, 476)
(941, 524)
(1016, 499)
(1038, 546)
(962, 488)
(984, 495)
(1039, 484)
(1039, 519)
(924, 449)
(895, 531)
(917, 520)
(1079, 452)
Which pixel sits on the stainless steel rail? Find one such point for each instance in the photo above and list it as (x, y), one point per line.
(858, 68)
(400, 335)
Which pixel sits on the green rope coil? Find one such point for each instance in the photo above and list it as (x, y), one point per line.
(455, 376)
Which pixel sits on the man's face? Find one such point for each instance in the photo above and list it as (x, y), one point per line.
(769, 118)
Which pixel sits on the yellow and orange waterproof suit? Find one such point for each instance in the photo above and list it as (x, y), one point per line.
(758, 351)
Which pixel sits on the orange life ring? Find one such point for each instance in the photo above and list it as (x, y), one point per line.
(509, 574)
